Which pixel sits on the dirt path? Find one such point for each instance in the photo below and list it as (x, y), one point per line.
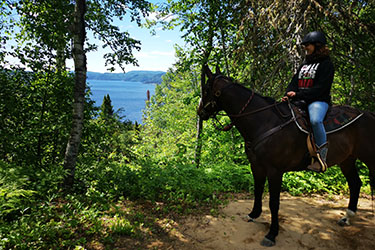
(305, 223)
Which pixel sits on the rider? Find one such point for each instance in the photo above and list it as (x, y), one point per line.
(312, 83)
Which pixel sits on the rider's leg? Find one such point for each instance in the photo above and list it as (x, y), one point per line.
(317, 112)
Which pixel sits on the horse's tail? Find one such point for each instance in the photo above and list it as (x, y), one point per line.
(372, 185)
(372, 173)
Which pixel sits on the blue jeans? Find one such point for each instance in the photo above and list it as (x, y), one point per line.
(317, 112)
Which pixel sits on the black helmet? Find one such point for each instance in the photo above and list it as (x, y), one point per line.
(314, 37)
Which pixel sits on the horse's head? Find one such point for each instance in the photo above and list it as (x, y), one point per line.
(208, 106)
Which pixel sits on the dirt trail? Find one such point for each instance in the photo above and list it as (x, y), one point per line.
(305, 223)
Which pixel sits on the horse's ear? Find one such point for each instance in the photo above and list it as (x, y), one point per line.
(207, 71)
(218, 72)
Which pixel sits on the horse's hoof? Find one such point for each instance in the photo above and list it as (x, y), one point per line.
(247, 218)
(267, 242)
(348, 219)
(343, 222)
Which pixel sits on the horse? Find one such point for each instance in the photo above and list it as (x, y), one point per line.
(275, 145)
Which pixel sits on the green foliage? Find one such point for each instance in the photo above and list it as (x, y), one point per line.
(298, 183)
(186, 184)
(331, 182)
(15, 197)
(257, 42)
(53, 225)
(121, 226)
(35, 116)
(223, 146)
(173, 183)
(170, 118)
(106, 108)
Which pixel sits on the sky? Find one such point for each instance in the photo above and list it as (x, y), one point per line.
(157, 51)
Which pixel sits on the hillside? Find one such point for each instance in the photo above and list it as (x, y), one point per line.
(143, 76)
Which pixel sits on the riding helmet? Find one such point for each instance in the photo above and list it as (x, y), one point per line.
(314, 37)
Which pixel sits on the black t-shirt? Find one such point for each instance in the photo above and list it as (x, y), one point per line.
(313, 81)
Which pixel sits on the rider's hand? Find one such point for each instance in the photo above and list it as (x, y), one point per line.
(289, 94)
(285, 98)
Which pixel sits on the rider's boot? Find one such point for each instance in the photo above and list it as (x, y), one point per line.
(320, 164)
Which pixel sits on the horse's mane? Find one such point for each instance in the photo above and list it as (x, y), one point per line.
(268, 99)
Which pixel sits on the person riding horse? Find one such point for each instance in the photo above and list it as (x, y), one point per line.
(312, 84)
(264, 123)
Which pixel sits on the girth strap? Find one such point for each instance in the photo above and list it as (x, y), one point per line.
(263, 136)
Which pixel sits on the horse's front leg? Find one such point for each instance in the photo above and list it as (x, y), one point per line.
(274, 183)
(259, 176)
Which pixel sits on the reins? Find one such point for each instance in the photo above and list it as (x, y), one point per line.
(241, 114)
(261, 137)
(257, 110)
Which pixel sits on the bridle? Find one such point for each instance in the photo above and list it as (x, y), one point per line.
(217, 94)
(230, 126)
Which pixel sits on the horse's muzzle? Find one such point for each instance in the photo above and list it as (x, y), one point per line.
(203, 114)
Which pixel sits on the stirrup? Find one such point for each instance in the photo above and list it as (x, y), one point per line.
(317, 164)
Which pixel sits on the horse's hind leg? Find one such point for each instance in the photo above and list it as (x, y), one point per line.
(351, 174)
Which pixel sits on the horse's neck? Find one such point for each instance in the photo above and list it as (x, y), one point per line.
(249, 125)
(233, 100)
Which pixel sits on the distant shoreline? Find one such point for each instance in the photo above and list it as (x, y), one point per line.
(143, 76)
(119, 80)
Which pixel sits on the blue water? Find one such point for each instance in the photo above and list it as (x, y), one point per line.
(131, 96)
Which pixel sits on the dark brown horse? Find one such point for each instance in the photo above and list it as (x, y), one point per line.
(274, 144)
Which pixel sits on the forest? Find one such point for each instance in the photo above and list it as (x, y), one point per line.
(74, 176)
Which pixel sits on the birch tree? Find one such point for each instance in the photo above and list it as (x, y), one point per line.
(80, 69)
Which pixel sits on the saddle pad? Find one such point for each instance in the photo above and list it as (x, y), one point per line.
(338, 117)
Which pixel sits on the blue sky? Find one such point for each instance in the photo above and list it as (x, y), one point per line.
(157, 51)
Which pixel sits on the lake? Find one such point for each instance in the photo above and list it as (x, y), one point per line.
(131, 96)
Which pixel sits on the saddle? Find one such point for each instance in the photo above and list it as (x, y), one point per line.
(337, 118)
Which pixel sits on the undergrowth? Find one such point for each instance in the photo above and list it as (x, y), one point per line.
(97, 213)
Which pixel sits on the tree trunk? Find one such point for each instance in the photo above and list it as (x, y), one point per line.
(206, 55)
(79, 56)
(198, 148)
